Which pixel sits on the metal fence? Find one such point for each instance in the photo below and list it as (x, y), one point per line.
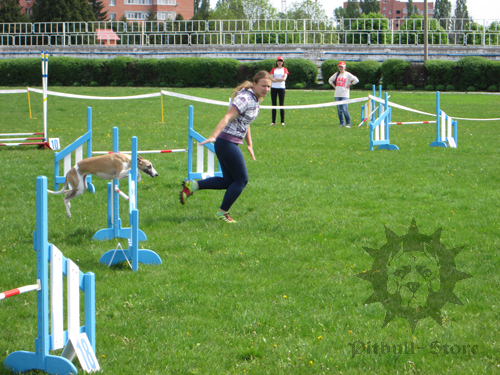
(357, 31)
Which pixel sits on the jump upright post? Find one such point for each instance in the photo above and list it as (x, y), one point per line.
(114, 229)
(379, 129)
(444, 123)
(57, 338)
(200, 154)
(77, 147)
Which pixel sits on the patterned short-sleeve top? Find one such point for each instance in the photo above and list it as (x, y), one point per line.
(247, 105)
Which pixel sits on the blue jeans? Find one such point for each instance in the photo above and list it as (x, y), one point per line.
(343, 112)
(234, 173)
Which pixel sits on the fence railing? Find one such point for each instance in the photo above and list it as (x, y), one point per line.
(254, 32)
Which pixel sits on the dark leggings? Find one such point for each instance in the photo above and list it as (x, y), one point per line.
(281, 94)
(234, 173)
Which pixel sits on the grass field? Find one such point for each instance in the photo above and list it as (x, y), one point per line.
(277, 293)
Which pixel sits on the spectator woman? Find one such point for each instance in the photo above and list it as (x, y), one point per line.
(278, 77)
(341, 82)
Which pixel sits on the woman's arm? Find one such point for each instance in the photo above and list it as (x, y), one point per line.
(231, 114)
(248, 139)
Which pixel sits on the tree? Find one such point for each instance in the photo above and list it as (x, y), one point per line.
(461, 15)
(62, 11)
(228, 10)
(10, 11)
(411, 9)
(307, 9)
(201, 10)
(339, 13)
(442, 11)
(352, 9)
(97, 8)
(258, 9)
(369, 6)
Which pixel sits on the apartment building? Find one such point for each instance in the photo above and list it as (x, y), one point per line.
(138, 10)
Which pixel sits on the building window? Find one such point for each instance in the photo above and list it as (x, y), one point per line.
(383, 8)
(138, 2)
(390, 12)
(136, 15)
(165, 2)
(398, 12)
(112, 3)
(162, 16)
(112, 16)
(405, 10)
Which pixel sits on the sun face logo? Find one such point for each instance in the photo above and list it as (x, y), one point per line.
(413, 276)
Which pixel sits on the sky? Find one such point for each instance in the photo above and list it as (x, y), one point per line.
(478, 9)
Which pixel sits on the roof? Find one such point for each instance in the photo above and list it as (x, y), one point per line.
(106, 34)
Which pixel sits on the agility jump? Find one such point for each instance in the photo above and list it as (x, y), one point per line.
(114, 229)
(57, 338)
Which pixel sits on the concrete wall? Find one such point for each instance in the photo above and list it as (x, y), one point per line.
(314, 53)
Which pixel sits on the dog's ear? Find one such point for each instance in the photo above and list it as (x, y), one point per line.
(139, 160)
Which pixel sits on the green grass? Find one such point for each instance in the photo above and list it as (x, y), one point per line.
(276, 293)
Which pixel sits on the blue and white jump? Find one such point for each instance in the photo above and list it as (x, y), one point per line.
(380, 126)
(57, 338)
(114, 229)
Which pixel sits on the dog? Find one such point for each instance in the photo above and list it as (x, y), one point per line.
(108, 167)
(413, 275)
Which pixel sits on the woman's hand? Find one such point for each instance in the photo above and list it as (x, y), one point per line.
(250, 150)
(208, 140)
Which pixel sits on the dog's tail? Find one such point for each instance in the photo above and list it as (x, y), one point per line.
(60, 191)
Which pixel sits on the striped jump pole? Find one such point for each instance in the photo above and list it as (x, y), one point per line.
(21, 290)
(444, 126)
(24, 139)
(200, 173)
(133, 253)
(142, 152)
(412, 122)
(77, 148)
(51, 332)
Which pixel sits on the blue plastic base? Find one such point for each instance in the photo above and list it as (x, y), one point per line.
(109, 234)
(22, 361)
(438, 144)
(118, 256)
(388, 147)
(91, 188)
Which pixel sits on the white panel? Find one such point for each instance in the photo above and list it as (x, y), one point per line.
(73, 291)
(67, 164)
(132, 194)
(200, 155)
(211, 163)
(377, 132)
(442, 125)
(56, 299)
(79, 154)
(382, 130)
(449, 127)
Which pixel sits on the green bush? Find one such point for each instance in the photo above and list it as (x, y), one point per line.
(390, 87)
(94, 84)
(368, 87)
(393, 71)
(440, 88)
(298, 86)
(429, 88)
(440, 72)
(130, 84)
(162, 84)
(450, 88)
(58, 84)
(114, 83)
(24, 70)
(471, 88)
(77, 84)
(472, 71)
(493, 88)
(410, 87)
(326, 86)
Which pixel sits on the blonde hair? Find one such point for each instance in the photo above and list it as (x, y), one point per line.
(262, 74)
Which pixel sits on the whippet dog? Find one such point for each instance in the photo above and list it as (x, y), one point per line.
(108, 167)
